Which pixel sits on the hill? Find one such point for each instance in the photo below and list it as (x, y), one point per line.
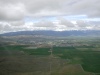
(55, 33)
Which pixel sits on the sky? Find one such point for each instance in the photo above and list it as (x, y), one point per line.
(57, 15)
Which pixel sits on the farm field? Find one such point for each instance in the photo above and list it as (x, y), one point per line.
(16, 60)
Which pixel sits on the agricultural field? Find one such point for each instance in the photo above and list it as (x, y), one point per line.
(22, 60)
(70, 56)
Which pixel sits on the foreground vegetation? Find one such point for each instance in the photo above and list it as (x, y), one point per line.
(70, 56)
(87, 58)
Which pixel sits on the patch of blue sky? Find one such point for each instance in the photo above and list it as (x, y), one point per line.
(29, 19)
(48, 18)
(76, 17)
(81, 17)
(34, 20)
(52, 18)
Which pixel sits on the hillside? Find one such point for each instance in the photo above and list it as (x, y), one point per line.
(55, 33)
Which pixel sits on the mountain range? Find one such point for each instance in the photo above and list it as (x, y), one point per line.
(55, 33)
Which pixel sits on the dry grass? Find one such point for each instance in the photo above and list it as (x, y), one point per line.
(22, 64)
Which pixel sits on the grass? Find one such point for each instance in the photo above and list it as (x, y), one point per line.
(89, 59)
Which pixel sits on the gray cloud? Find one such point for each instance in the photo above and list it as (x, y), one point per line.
(18, 9)
(14, 12)
(17, 23)
(5, 27)
(63, 21)
(83, 25)
(44, 24)
(88, 7)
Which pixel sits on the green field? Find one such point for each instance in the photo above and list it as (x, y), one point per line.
(16, 60)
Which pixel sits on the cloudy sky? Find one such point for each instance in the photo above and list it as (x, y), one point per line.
(58, 15)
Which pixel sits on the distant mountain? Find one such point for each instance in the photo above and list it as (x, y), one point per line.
(55, 33)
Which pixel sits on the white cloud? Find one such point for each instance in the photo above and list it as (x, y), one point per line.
(63, 21)
(18, 9)
(44, 23)
(14, 12)
(17, 23)
(83, 25)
